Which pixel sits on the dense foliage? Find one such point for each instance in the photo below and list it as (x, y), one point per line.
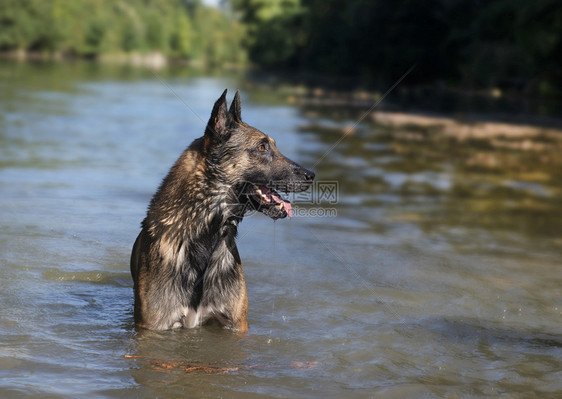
(473, 43)
(182, 29)
(476, 43)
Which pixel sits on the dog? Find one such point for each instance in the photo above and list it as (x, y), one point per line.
(185, 265)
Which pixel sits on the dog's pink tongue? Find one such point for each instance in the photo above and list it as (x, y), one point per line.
(286, 204)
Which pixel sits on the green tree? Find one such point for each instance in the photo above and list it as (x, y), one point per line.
(181, 36)
(274, 29)
(177, 28)
(479, 43)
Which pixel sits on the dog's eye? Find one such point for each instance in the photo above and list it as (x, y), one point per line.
(262, 148)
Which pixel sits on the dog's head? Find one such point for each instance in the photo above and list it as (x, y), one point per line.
(248, 161)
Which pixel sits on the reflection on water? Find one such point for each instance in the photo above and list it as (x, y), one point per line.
(505, 190)
(439, 276)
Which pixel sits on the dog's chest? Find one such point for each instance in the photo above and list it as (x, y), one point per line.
(193, 318)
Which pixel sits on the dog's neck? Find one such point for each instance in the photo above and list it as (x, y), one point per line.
(191, 228)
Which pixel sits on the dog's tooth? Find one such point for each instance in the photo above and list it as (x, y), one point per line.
(259, 191)
(280, 206)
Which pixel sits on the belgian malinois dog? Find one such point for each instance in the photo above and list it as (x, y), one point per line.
(185, 264)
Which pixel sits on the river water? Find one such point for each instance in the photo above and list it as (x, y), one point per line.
(420, 267)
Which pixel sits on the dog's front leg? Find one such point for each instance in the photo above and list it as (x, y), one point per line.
(240, 311)
(224, 288)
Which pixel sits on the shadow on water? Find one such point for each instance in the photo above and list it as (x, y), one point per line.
(177, 354)
(209, 360)
(456, 329)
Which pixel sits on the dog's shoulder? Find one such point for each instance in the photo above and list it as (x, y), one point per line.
(193, 157)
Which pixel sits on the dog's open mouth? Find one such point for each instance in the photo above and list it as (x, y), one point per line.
(270, 203)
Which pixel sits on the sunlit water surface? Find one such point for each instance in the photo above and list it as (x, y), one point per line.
(426, 276)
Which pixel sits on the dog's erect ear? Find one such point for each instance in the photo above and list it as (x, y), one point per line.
(236, 108)
(218, 128)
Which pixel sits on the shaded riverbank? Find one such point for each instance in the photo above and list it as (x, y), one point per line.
(152, 60)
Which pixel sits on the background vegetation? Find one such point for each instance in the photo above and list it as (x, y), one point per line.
(89, 28)
(473, 43)
(513, 44)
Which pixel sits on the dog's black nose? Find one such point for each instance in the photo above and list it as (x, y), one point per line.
(309, 175)
(303, 174)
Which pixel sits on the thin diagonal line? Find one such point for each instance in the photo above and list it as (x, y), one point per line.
(348, 131)
(358, 276)
(177, 96)
(365, 283)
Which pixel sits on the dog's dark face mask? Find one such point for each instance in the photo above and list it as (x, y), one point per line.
(249, 162)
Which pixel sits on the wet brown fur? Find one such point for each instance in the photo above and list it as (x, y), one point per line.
(184, 263)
